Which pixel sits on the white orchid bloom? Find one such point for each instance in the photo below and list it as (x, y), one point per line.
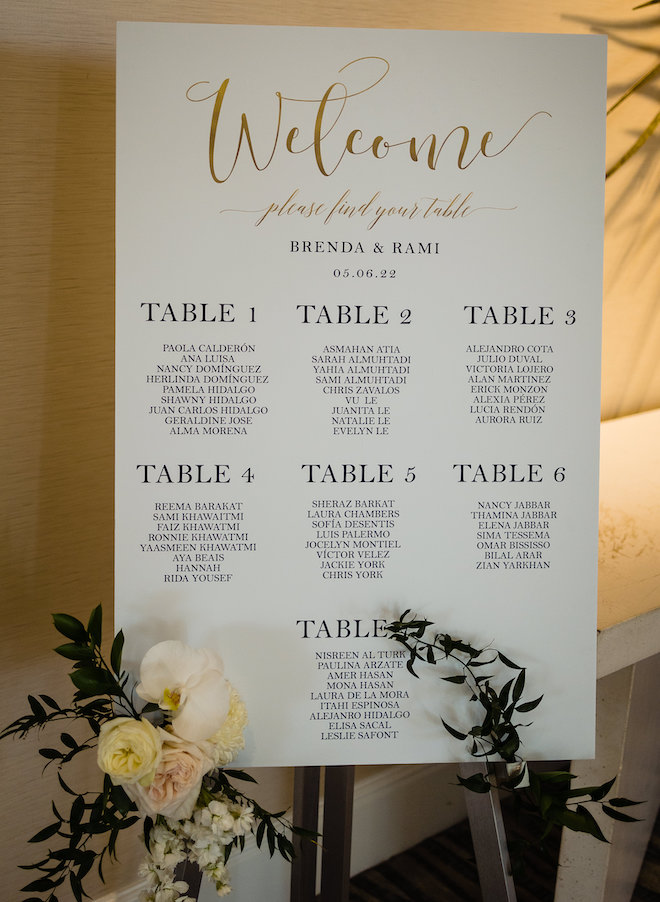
(190, 684)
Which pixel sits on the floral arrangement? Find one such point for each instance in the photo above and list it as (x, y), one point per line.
(162, 746)
(547, 796)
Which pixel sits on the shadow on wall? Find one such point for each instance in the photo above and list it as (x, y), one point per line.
(58, 316)
(631, 322)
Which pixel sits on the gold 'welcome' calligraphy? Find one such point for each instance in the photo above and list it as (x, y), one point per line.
(330, 108)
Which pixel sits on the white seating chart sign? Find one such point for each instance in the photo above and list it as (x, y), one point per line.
(358, 371)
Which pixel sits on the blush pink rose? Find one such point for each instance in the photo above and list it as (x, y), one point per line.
(177, 781)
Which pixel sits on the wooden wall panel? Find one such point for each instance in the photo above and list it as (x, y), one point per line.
(56, 291)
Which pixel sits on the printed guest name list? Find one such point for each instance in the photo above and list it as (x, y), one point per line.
(358, 332)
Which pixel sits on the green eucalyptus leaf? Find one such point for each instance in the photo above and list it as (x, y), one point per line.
(260, 833)
(581, 791)
(509, 748)
(46, 833)
(51, 754)
(555, 776)
(64, 786)
(519, 685)
(74, 652)
(112, 843)
(38, 865)
(87, 863)
(581, 821)
(70, 627)
(94, 681)
(475, 783)
(68, 740)
(120, 800)
(116, 652)
(410, 668)
(545, 803)
(284, 847)
(455, 733)
(56, 812)
(503, 697)
(42, 885)
(94, 627)
(147, 827)
(507, 661)
(77, 811)
(306, 834)
(37, 708)
(465, 648)
(529, 706)
(75, 855)
(487, 724)
(76, 886)
(594, 829)
(601, 791)
(240, 775)
(619, 815)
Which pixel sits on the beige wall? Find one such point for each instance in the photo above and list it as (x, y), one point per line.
(56, 326)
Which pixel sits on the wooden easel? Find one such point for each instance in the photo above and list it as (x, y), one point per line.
(484, 813)
(336, 833)
(486, 826)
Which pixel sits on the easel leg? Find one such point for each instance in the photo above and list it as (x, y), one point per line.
(192, 875)
(628, 732)
(337, 832)
(306, 782)
(336, 836)
(489, 840)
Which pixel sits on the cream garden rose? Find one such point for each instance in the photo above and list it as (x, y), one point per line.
(129, 750)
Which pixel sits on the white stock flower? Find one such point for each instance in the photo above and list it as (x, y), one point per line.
(243, 819)
(166, 850)
(190, 684)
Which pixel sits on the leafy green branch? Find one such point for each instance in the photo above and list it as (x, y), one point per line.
(495, 736)
(273, 827)
(86, 835)
(100, 690)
